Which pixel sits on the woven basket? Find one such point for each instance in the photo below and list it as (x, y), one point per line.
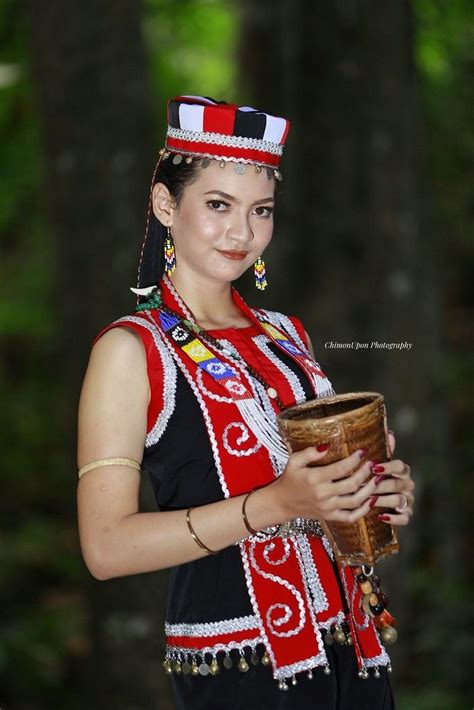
(356, 420)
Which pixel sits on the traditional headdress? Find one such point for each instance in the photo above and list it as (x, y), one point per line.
(205, 129)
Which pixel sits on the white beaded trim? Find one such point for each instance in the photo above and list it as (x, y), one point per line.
(212, 628)
(312, 662)
(169, 380)
(244, 436)
(198, 651)
(337, 619)
(382, 660)
(310, 571)
(297, 390)
(204, 410)
(220, 139)
(280, 320)
(290, 587)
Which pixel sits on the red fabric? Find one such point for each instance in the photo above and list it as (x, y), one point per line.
(259, 156)
(271, 584)
(154, 368)
(219, 119)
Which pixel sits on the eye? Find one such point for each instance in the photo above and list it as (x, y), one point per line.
(263, 211)
(217, 205)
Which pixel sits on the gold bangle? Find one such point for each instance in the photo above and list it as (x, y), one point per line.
(244, 514)
(199, 542)
(108, 462)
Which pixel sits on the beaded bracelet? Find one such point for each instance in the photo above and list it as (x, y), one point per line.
(108, 462)
(199, 542)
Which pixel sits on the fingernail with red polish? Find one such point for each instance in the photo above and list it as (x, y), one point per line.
(373, 501)
(379, 479)
(322, 447)
(362, 453)
(378, 468)
(385, 518)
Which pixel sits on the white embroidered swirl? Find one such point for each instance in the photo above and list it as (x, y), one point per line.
(269, 549)
(239, 441)
(208, 393)
(294, 592)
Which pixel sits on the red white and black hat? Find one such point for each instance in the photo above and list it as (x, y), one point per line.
(200, 126)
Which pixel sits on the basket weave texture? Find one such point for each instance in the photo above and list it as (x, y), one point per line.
(351, 421)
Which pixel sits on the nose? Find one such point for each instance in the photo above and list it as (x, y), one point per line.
(240, 230)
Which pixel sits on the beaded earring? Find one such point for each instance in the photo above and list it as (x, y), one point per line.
(170, 255)
(260, 277)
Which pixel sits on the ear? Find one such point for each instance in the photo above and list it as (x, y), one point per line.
(163, 204)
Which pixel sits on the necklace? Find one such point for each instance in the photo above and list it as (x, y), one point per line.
(289, 528)
(155, 300)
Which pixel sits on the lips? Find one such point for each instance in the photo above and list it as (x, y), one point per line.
(239, 255)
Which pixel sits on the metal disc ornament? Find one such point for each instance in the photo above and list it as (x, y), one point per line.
(227, 662)
(204, 669)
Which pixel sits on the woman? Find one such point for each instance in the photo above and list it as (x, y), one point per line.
(188, 388)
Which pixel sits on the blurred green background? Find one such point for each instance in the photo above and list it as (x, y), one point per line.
(373, 242)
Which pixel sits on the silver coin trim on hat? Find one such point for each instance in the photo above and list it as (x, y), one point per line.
(221, 139)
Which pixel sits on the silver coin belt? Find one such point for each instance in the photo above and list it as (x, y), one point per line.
(292, 527)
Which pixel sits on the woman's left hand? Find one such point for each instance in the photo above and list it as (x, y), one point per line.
(395, 489)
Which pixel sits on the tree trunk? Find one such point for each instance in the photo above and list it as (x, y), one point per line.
(94, 98)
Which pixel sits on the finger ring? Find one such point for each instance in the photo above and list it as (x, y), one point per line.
(402, 507)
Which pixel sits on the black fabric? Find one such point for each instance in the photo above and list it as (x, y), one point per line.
(173, 113)
(183, 474)
(250, 124)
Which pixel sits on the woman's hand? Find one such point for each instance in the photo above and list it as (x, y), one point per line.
(395, 489)
(345, 490)
(331, 492)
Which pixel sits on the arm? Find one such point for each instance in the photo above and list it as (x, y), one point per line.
(117, 540)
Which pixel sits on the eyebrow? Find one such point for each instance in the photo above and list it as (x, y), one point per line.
(234, 199)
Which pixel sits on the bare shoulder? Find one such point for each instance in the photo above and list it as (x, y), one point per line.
(115, 392)
(120, 339)
(112, 422)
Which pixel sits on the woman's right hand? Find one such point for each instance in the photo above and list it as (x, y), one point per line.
(338, 491)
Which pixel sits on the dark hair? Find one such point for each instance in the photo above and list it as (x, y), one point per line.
(176, 178)
(152, 261)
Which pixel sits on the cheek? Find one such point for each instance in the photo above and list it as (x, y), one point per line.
(263, 232)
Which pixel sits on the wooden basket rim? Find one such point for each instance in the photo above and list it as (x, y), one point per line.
(365, 409)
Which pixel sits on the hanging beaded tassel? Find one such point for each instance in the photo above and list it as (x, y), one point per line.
(170, 256)
(260, 277)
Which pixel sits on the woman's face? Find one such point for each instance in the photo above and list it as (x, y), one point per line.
(223, 222)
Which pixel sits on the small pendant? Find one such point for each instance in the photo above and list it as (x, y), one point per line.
(214, 667)
(227, 662)
(186, 668)
(243, 665)
(254, 659)
(204, 669)
(265, 659)
(271, 391)
(194, 668)
(167, 666)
